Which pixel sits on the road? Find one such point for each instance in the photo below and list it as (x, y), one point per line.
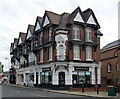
(12, 91)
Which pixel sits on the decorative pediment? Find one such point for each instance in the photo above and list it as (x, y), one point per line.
(78, 18)
(28, 34)
(91, 20)
(37, 26)
(46, 21)
(20, 41)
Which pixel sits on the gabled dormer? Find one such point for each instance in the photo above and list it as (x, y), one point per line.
(15, 43)
(90, 18)
(38, 24)
(11, 48)
(29, 34)
(76, 17)
(21, 38)
(50, 18)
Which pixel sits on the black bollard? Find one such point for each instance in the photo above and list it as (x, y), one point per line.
(97, 89)
(82, 88)
(115, 91)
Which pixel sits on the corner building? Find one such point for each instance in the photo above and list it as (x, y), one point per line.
(65, 49)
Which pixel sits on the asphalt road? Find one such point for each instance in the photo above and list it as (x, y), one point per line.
(11, 91)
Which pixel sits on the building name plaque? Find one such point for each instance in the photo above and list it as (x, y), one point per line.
(81, 68)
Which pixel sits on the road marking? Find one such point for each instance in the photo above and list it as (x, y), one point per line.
(16, 91)
(38, 95)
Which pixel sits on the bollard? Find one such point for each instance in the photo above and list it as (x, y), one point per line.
(115, 91)
(97, 89)
(82, 88)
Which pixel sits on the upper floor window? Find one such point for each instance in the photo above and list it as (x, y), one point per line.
(88, 53)
(50, 53)
(41, 55)
(50, 33)
(41, 37)
(76, 34)
(117, 68)
(88, 34)
(76, 52)
(116, 53)
(109, 67)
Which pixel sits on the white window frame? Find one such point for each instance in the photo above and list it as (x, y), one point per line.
(109, 68)
(76, 31)
(76, 52)
(50, 33)
(117, 68)
(88, 35)
(41, 35)
(88, 53)
(50, 53)
(41, 55)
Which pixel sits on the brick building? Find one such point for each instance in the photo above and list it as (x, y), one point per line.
(110, 67)
(61, 50)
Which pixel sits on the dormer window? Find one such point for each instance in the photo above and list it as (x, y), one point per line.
(88, 34)
(50, 33)
(76, 30)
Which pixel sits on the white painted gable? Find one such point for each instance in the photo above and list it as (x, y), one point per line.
(20, 41)
(14, 46)
(37, 26)
(78, 18)
(29, 34)
(91, 20)
(46, 21)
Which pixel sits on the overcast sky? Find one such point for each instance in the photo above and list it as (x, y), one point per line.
(16, 15)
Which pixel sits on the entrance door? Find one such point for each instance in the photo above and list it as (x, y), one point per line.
(61, 79)
(36, 79)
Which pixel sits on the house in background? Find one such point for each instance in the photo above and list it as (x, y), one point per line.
(110, 69)
(62, 50)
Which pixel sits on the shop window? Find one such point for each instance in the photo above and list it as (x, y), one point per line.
(88, 34)
(46, 77)
(81, 77)
(76, 32)
(109, 67)
(76, 52)
(89, 53)
(31, 78)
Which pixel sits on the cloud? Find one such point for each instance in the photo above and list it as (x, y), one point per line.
(15, 17)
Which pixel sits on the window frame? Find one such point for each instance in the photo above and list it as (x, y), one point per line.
(76, 32)
(76, 52)
(50, 33)
(50, 53)
(88, 50)
(109, 68)
(88, 37)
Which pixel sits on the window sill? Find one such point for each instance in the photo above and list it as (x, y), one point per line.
(77, 59)
(89, 60)
(41, 62)
(50, 60)
(77, 39)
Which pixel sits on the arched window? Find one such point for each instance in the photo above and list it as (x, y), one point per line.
(116, 53)
(109, 68)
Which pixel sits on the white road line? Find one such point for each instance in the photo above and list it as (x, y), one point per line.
(16, 91)
(38, 95)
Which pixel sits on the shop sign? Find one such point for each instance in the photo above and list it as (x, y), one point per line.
(46, 69)
(81, 68)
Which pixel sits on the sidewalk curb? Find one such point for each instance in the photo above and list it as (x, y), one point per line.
(48, 90)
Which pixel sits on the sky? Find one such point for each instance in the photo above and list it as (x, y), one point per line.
(17, 14)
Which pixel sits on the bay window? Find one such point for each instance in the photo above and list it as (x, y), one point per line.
(76, 52)
(88, 53)
(88, 34)
(41, 36)
(76, 30)
(50, 53)
(50, 33)
(41, 55)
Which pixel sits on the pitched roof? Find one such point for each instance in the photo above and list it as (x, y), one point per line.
(86, 13)
(15, 41)
(99, 32)
(23, 36)
(31, 27)
(54, 17)
(112, 44)
(40, 19)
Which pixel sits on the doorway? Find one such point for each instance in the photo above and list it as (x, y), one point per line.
(36, 79)
(61, 79)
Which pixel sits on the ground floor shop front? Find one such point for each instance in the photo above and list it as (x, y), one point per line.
(63, 75)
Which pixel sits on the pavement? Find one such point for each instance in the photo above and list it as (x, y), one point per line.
(89, 94)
